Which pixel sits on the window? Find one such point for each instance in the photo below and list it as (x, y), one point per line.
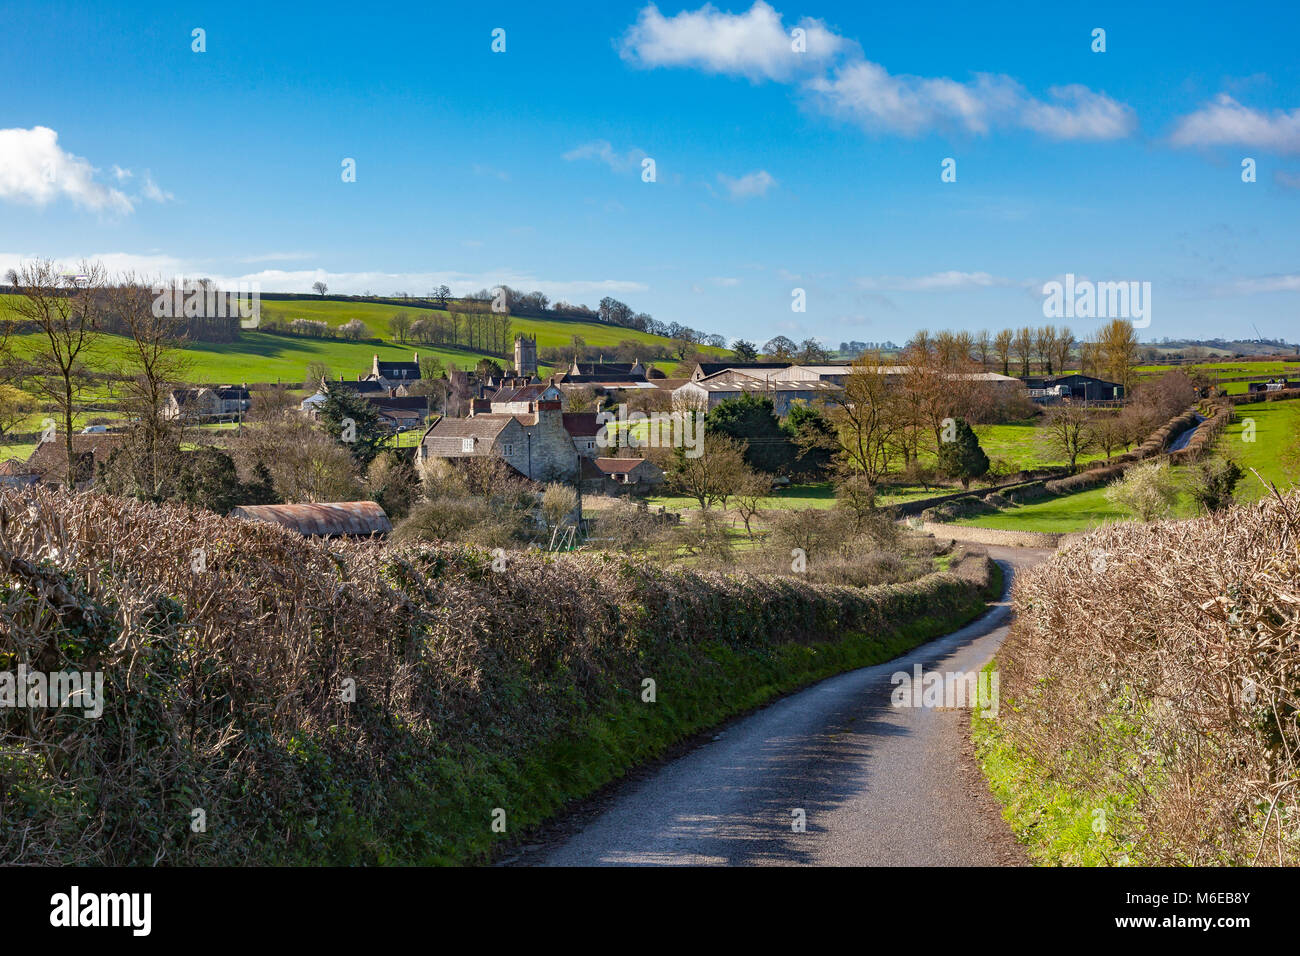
(508, 450)
(467, 445)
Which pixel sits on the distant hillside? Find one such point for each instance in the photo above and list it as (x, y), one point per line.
(262, 357)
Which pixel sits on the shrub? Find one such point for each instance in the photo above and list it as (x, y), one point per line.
(1211, 483)
(1146, 491)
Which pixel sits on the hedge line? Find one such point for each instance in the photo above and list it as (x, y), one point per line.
(229, 650)
(1153, 445)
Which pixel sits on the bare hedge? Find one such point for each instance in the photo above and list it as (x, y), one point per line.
(225, 645)
(1161, 663)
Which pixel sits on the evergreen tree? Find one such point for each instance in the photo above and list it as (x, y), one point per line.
(354, 423)
(962, 458)
(813, 433)
(752, 419)
(261, 489)
(208, 479)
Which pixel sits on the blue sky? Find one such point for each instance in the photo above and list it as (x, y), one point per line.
(774, 170)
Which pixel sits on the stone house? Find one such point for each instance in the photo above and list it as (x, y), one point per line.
(208, 403)
(393, 374)
(534, 443)
(584, 429)
(619, 476)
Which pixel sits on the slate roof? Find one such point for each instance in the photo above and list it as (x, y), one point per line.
(483, 426)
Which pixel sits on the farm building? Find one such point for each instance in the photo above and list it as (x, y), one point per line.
(341, 519)
(705, 393)
(705, 369)
(1272, 385)
(1075, 387)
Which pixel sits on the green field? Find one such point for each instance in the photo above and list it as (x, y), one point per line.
(1017, 446)
(1276, 425)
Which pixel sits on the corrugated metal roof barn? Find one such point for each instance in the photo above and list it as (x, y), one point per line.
(336, 518)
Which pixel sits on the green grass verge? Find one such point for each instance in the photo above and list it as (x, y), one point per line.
(1059, 825)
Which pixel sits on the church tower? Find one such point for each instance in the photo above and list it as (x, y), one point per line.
(526, 355)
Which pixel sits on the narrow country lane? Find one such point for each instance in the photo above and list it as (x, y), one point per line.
(880, 786)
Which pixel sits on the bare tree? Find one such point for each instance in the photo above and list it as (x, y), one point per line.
(320, 288)
(751, 494)
(1023, 346)
(710, 478)
(984, 348)
(1067, 431)
(1002, 343)
(148, 371)
(1064, 345)
(1045, 346)
(64, 309)
(1119, 351)
(867, 418)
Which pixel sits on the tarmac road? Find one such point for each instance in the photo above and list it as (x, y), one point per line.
(878, 785)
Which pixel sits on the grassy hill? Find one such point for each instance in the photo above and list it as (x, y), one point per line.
(265, 357)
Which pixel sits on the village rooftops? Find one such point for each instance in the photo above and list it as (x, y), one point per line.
(361, 386)
(581, 424)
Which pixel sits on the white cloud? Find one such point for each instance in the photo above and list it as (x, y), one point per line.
(1079, 114)
(879, 101)
(35, 170)
(151, 190)
(948, 281)
(756, 44)
(751, 184)
(278, 257)
(602, 151)
(1224, 122)
(1262, 284)
(753, 44)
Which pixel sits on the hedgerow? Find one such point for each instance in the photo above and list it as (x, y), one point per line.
(357, 703)
(1152, 674)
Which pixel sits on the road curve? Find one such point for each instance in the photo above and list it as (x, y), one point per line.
(879, 785)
